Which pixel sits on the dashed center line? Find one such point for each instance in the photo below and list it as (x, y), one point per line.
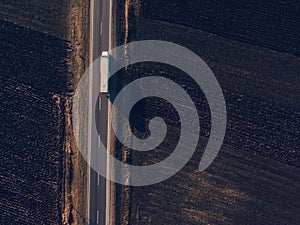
(99, 141)
(101, 28)
(100, 103)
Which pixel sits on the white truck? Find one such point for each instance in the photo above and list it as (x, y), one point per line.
(104, 64)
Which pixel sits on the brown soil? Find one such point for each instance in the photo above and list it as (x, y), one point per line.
(75, 174)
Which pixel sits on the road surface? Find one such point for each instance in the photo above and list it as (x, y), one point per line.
(99, 41)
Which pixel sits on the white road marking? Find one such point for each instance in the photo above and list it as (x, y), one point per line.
(98, 180)
(101, 28)
(108, 215)
(99, 141)
(90, 101)
(97, 216)
(100, 103)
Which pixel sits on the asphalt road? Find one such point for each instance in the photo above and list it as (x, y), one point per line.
(99, 41)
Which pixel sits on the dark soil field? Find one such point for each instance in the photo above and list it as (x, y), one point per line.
(45, 16)
(33, 83)
(272, 24)
(253, 50)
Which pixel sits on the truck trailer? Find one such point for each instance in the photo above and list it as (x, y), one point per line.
(104, 70)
